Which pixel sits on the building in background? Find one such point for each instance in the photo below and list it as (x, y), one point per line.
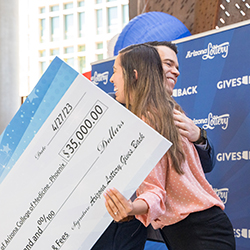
(77, 31)
(83, 31)
(9, 64)
(197, 15)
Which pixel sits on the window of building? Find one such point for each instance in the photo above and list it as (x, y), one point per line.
(81, 48)
(99, 56)
(111, 0)
(81, 24)
(68, 26)
(98, 1)
(42, 10)
(99, 45)
(68, 5)
(55, 31)
(69, 61)
(81, 3)
(42, 30)
(82, 64)
(54, 8)
(99, 21)
(42, 53)
(43, 67)
(125, 14)
(69, 50)
(54, 52)
(112, 20)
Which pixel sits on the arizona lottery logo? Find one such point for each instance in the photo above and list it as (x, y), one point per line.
(222, 193)
(213, 120)
(98, 78)
(210, 51)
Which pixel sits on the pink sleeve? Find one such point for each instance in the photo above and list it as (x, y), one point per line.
(153, 192)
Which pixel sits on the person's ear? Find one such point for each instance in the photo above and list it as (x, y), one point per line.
(136, 74)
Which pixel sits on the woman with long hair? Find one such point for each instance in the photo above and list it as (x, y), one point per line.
(175, 197)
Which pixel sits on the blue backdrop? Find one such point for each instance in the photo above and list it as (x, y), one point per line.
(213, 89)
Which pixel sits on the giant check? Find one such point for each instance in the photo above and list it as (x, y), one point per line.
(68, 143)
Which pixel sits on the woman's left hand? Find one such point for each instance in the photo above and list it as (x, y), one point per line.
(117, 205)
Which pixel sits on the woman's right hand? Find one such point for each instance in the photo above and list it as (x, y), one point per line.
(117, 205)
(120, 208)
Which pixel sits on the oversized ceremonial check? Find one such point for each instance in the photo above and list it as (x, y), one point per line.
(66, 145)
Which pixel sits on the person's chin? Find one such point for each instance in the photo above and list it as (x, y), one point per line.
(169, 90)
(120, 101)
(171, 87)
(117, 98)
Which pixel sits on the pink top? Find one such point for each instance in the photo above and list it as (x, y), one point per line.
(182, 195)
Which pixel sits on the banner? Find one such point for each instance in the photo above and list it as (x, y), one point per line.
(213, 89)
(67, 144)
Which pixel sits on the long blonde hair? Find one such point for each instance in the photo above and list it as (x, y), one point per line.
(147, 98)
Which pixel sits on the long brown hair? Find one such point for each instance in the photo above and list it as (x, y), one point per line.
(146, 96)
